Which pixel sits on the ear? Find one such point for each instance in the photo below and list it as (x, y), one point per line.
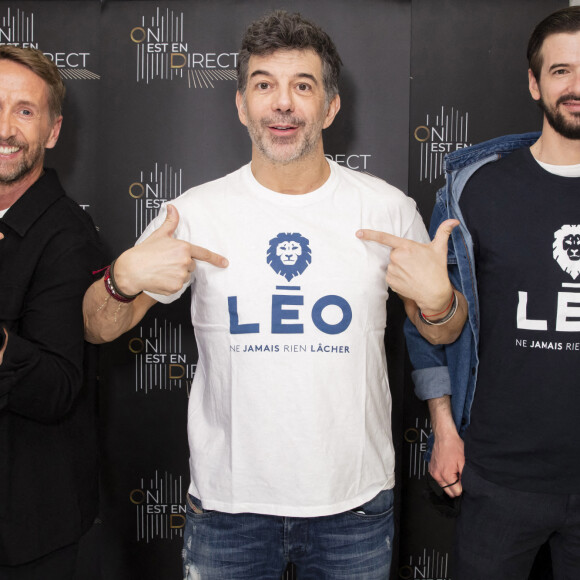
(241, 108)
(533, 86)
(333, 109)
(53, 134)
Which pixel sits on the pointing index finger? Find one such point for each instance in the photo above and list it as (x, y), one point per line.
(205, 255)
(382, 238)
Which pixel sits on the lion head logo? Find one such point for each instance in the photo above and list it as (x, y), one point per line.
(567, 249)
(289, 255)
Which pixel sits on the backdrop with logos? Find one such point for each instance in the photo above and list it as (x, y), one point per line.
(150, 113)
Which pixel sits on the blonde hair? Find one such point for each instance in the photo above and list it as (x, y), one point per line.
(43, 67)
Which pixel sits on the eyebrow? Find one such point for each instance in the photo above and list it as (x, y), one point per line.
(296, 76)
(558, 65)
(27, 103)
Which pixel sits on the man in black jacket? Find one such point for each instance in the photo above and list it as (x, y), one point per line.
(48, 248)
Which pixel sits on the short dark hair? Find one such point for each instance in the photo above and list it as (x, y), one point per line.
(563, 20)
(281, 30)
(43, 67)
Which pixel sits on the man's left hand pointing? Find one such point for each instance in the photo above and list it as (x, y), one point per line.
(418, 271)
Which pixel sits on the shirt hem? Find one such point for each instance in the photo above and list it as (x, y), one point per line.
(295, 511)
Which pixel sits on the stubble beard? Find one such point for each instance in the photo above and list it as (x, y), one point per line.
(280, 149)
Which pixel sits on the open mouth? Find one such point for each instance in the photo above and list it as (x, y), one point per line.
(283, 128)
(8, 149)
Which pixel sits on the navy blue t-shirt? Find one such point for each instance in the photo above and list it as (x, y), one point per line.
(525, 224)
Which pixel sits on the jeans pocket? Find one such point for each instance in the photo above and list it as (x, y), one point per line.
(379, 506)
(195, 507)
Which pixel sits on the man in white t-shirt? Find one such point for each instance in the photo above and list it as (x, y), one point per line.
(289, 412)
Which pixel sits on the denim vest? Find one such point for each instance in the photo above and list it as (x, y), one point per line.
(452, 369)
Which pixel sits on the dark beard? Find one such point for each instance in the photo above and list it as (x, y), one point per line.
(557, 120)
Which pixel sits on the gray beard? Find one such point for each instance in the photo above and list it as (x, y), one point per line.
(23, 168)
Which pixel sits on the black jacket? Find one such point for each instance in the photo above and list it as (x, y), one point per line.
(48, 435)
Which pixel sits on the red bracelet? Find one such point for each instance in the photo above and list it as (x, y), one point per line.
(443, 311)
(443, 320)
(112, 289)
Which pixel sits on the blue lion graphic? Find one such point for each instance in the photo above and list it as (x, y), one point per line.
(289, 255)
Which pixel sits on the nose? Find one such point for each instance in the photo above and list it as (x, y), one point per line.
(576, 83)
(6, 125)
(283, 100)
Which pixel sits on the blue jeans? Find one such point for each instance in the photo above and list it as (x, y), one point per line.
(500, 530)
(354, 545)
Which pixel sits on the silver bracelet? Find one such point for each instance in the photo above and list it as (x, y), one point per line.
(443, 320)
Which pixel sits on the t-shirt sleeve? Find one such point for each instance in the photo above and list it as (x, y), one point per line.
(412, 225)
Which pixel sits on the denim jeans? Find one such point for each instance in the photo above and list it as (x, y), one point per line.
(354, 545)
(500, 530)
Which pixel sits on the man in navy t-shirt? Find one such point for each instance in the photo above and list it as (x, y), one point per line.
(505, 398)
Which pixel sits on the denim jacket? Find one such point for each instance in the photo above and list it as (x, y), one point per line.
(452, 369)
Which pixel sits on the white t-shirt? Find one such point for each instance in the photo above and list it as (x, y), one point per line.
(562, 170)
(289, 411)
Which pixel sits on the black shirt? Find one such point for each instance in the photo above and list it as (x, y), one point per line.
(48, 452)
(524, 421)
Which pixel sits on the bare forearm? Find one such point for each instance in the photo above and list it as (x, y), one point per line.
(448, 456)
(106, 319)
(441, 416)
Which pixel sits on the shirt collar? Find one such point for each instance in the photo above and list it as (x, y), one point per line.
(34, 202)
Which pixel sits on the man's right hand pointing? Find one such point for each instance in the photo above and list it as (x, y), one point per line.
(161, 264)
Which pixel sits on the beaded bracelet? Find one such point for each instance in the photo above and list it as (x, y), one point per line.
(113, 289)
